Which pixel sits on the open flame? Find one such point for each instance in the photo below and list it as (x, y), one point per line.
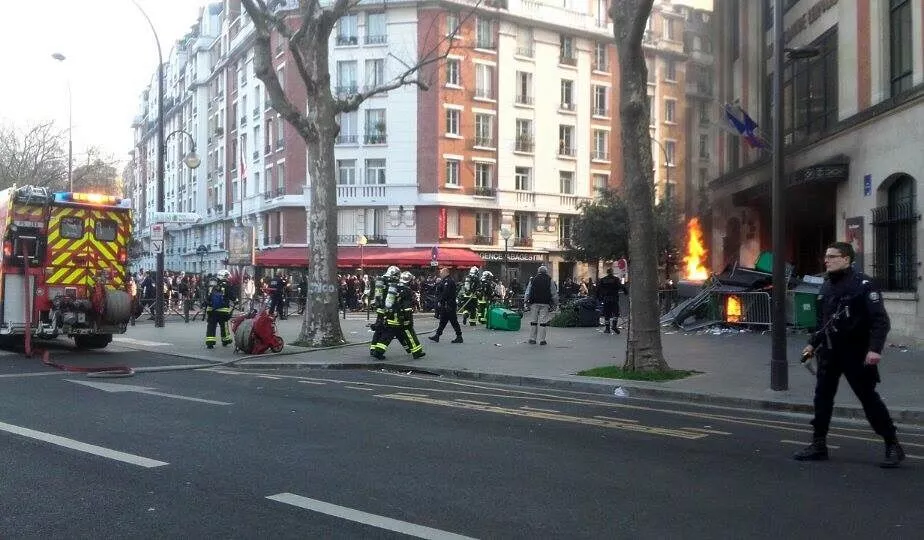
(732, 309)
(696, 253)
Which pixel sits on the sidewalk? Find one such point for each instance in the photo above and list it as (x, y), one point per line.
(734, 367)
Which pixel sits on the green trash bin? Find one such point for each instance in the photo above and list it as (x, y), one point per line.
(501, 318)
(804, 305)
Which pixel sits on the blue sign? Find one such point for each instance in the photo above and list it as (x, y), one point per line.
(867, 185)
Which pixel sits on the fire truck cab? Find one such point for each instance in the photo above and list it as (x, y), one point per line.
(64, 268)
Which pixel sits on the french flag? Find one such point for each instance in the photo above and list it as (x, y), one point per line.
(738, 122)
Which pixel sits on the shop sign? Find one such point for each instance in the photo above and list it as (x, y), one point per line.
(512, 256)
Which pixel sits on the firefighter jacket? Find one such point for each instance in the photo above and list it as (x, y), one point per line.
(487, 290)
(470, 286)
(400, 311)
(220, 296)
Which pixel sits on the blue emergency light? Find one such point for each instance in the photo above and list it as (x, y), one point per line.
(92, 199)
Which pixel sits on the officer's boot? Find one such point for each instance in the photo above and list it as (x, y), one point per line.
(458, 339)
(606, 330)
(817, 451)
(435, 338)
(894, 454)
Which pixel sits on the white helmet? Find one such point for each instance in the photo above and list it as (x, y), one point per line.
(487, 275)
(406, 277)
(392, 271)
(223, 274)
(473, 271)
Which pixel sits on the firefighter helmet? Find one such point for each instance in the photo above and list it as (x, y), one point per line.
(223, 274)
(487, 275)
(406, 277)
(473, 271)
(392, 271)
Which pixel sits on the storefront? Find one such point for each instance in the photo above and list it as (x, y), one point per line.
(520, 265)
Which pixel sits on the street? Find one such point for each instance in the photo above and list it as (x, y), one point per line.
(237, 453)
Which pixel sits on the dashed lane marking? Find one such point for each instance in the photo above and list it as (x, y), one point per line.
(802, 443)
(312, 382)
(358, 516)
(270, 377)
(549, 416)
(359, 388)
(473, 401)
(629, 420)
(704, 430)
(525, 408)
(141, 342)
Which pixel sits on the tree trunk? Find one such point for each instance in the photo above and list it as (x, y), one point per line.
(644, 351)
(321, 326)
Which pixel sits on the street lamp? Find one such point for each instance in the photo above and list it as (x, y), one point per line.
(202, 250)
(191, 159)
(362, 241)
(70, 128)
(779, 367)
(506, 233)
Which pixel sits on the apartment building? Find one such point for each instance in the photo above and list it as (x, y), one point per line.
(853, 113)
(517, 129)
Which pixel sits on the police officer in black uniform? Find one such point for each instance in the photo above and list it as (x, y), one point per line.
(851, 332)
(277, 290)
(608, 293)
(447, 307)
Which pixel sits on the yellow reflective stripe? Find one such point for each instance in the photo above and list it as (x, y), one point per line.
(103, 249)
(57, 276)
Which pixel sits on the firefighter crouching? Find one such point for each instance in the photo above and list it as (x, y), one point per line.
(219, 298)
(399, 318)
(380, 289)
(468, 297)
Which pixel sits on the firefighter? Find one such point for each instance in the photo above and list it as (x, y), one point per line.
(277, 291)
(384, 285)
(487, 293)
(468, 296)
(219, 299)
(399, 316)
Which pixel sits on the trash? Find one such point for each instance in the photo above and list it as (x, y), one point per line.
(620, 392)
(498, 345)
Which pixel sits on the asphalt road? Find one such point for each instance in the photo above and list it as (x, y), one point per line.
(344, 454)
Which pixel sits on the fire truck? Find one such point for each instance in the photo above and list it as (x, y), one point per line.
(64, 270)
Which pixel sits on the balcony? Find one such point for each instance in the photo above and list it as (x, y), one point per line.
(483, 142)
(566, 149)
(567, 106)
(600, 155)
(345, 41)
(603, 67)
(267, 195)
(256, 154)
(567, 60)
(353, 239)
(524, 100)
(479, 240)
(522, 242)
(378, 39)
(375, 138)
(524, 144)
(243, 120)
(361, 191)
(601, 111)
(704, 156)
(526, 51)
(220, 209)
(268, 149)
(280, 143)
(256, 113)
(345, 90)
(346, 139)
(483, 93)
(280, 191)
(485, 191)
(486, 44)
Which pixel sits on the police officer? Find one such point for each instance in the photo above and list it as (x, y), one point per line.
(608, 293)
(446, 290)
(384, 285)
(277, 291)
(469, 296)
(852, 329)
(218, 310)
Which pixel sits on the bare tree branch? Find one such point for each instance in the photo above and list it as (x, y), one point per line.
(32, 156)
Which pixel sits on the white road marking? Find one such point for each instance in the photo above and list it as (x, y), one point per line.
(358, 388)
(223, 372)
(36, 374)
(82, 447)
(704, 430)
(802, 443)
(358, 516)
(525, 408)
(473, 401)
(631, 421)
(141, 342)
(410, 394)
(110, 387)
(312, 382)
(268, 377)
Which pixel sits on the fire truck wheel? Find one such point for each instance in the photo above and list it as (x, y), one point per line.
(118, 306)
(243, 336)
(96, 341)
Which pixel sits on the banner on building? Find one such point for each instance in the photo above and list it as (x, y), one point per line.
(240, 246)
(854, 235)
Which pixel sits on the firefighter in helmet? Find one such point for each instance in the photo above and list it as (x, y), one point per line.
(219, 298)
(385, 285)
(468, 296)
(399, 321)
(487, 293)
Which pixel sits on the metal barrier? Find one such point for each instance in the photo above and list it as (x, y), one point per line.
(743, 308)
(667, 299)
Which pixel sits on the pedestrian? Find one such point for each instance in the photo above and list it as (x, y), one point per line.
(851, 332)
(220, 297)
(608, 293)
(541, 299)
(447, 306)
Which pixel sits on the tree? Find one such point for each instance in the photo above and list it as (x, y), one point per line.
(306, 29)
(99, 175)
(630, 19)
(33, 155)
(601, 230)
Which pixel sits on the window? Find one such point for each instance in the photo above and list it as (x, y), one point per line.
(524, 140)
(565, 229)
(566, 50)
(652, 117)
(483, 225)
(280, 132)
(375, 126)
(452, 172)
(452, 223)
(522, 179)
(484, 130)
(375, 73)
(600, 182)
(670, 70)
(670, 107)
(567, 95)
(452, 72)
(601, 107)
(705, 115)
(374, 222)
(346, 78)
(484, 176)
(280, 176)
(524, 88)
(484, 33)
(452, 24)
(346, 172)
(704, 146)
(810, 92)
(668, 28)
(566, 182)
(105, 230)
(525, 45)
(521, 228)
(376, 28)
(670, 148)
(894, 248)
(566, 140)
(348, 128)
(484, 81)
(651, 70)
(601, 149)
(347, 30)
(375, 171)
(601, 57)
(452, 121)
(900, 43)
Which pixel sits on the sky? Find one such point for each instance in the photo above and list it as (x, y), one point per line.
(110, 58)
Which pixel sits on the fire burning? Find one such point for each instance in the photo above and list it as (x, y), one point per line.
(694, 270)
(732, 309)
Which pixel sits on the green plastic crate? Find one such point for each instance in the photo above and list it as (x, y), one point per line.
(500, 318)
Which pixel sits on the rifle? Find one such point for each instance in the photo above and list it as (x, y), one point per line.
(827, 329)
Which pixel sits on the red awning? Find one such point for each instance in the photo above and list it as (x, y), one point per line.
(373, 257)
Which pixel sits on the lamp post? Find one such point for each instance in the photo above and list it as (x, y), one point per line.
(506, 233)
(202, 250)
(70, 128)
(362, 241)
(667, 167)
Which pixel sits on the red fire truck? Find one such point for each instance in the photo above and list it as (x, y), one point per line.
(64, 268)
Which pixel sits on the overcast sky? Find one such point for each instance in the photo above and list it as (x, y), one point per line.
(111, 56)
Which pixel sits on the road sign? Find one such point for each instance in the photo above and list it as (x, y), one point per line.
(157, 246)
(157, 231)
(175, 217)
